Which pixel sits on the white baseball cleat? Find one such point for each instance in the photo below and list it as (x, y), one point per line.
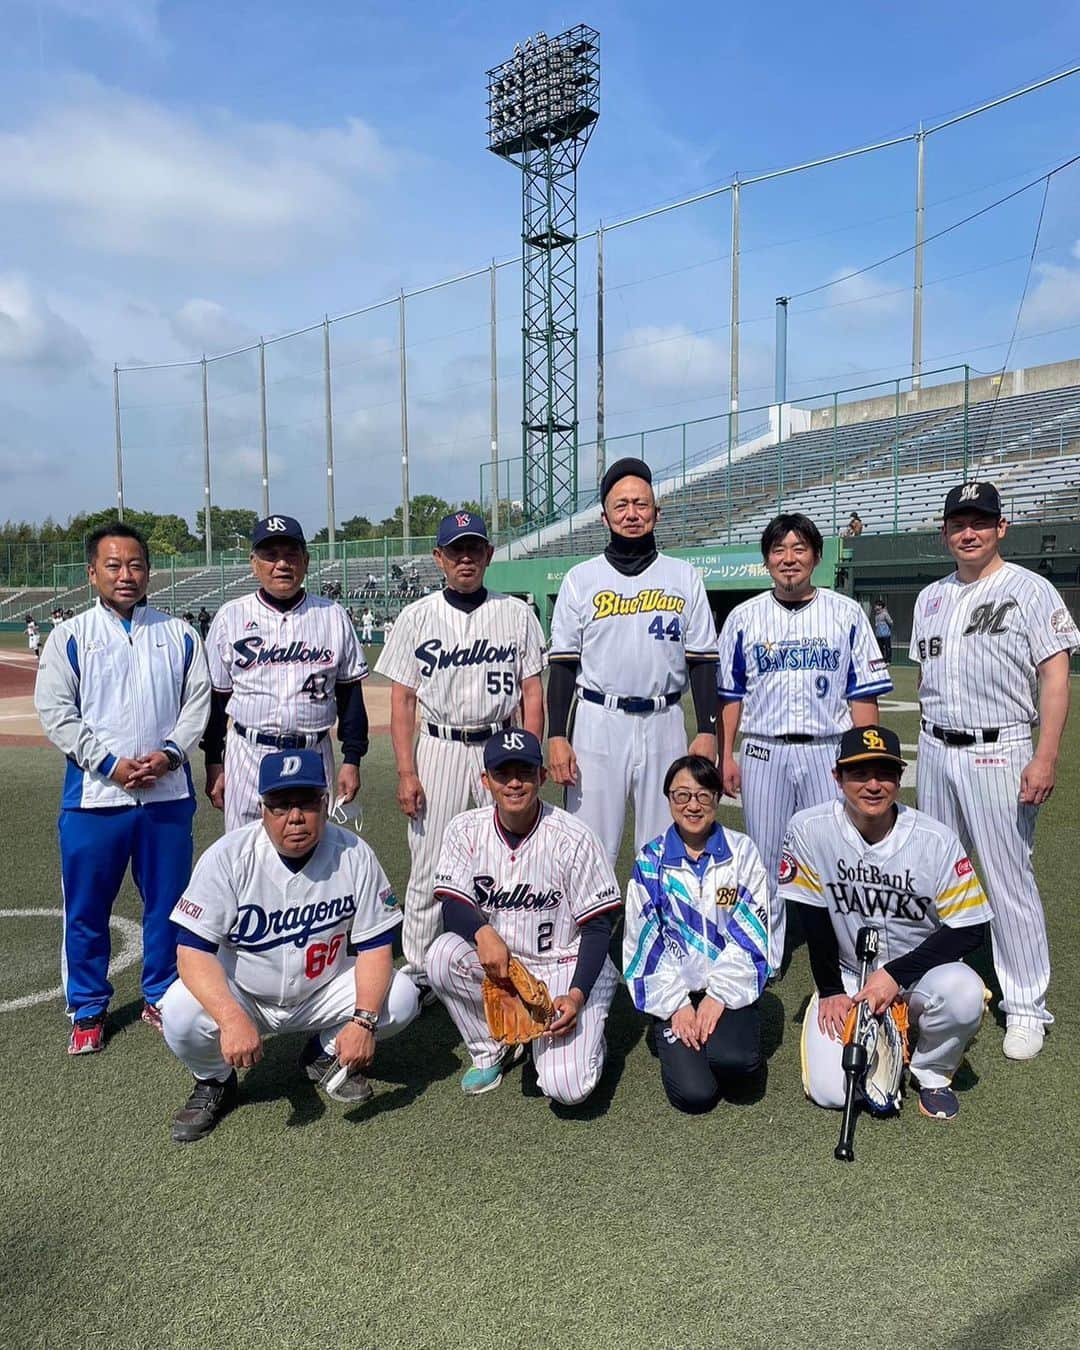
(1023, 1042)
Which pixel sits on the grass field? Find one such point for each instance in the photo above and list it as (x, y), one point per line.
(426, 1219)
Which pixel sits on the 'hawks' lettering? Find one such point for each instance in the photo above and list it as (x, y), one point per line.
(432, 655)
(521, 896)
(867, 889)
(610, 603)
(250, 652)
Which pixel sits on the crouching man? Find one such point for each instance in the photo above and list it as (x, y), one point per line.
(285, 926)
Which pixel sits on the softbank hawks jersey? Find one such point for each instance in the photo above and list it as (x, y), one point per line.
(978, 644)
(281, 668)
(916, 879)
(633, 635)
(535, 893)
(466, 668)
(282, 934)
(795, 670)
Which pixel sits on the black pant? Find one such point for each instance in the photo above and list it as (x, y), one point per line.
(885, 643)
(694, 1079)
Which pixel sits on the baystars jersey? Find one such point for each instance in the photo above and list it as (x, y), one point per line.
(633, 635)
(282, 934)
(916, 879)
(978, 644)
(796, 669)
(281, 668)
(535, 893)
(466, 668)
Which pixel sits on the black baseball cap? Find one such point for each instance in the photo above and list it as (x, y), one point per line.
(982, 497)
(460, 525)
(516, 746)
(861, 744)
(624, 468)
(277, 527)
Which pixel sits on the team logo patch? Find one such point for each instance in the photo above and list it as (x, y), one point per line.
(648, 601)
(291, 766)
(788, 869)
(251, 623)
(969, 492)
(1061, 621)
(964, 868)
(756, 751)
(727, 897)
(933, 606)
(513, 740)
(388, 898)
(463, 520)
(275, 525)
(872, 740)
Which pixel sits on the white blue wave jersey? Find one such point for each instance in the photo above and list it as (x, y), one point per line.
(795, 670)
(693, 926)
(633, 635)
(280, 934)
(104, 693)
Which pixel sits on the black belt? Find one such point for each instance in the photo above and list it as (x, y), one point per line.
(467, 735)
(796, 738)
(627, 704)
(301, 740)
(985, 735)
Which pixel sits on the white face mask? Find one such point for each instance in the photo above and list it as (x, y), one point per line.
(348, 813)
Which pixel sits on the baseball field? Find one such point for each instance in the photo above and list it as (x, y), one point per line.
(426, 1219)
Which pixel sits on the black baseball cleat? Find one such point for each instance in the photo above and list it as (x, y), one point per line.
(325, 1071)
(209, 1101)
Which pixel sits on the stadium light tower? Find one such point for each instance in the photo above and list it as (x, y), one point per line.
(542, 106)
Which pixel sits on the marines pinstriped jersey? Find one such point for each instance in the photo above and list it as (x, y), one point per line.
(466, 668)
(283, 934)
(536, 893)
(978, 644)
(633, 635)
(794, 670)
(281, 668)
(907, 886)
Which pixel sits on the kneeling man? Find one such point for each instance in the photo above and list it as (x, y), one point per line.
(865, 860)
(526, 879)
(286, 925)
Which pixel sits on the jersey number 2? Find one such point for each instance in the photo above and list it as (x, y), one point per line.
(672, 632)
(544, 936)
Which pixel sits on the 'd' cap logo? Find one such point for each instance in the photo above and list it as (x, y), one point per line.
(291, 766)
(872, 740)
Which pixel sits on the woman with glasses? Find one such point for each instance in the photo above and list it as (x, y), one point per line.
(696, 941)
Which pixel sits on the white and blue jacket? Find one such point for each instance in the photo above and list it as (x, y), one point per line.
(104, 693)
(696, 926)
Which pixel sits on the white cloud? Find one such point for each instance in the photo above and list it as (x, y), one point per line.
(670, 358)
(128, 176)
(206, 326)
(1055, 298)
(32, 334)
(864, 300)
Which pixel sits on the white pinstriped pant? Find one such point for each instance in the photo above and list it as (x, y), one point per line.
(791, 778)
(567, 1067)
(449, 772)
(242, 760)
(975, 790)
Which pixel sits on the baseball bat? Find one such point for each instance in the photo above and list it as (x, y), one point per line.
(854, 1058)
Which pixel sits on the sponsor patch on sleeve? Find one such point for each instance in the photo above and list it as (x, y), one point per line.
(879, 664)
(388, 898)
(964, 868)
(1061, 621)
(788, 869)
(189, 907)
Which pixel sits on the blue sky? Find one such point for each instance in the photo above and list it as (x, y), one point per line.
(180, 178)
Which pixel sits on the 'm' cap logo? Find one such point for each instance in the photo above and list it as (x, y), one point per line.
(290, 766)
(872, 740)
(969, 492)
(276, 524)
(513, 740)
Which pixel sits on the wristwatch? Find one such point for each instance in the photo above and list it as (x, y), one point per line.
(366, 1019)
(174, 757)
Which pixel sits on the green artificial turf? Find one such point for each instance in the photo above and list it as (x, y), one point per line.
(428, 1219)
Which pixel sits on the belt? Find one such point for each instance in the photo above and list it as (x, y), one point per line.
(467, 735)
(985, 735)
(627, 704)
(300, 740)
(788, 737)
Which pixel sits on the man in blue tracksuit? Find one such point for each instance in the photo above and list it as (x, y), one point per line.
(124, 691)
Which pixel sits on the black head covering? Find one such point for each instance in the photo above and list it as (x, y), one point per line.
(624, 468)
(628, 556)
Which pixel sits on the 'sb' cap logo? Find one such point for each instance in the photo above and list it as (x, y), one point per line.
(873, 741)
(513, 740)
(290, 766)
(276, 524)
(969, 492)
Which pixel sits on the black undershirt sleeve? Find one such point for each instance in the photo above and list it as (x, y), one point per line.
(560, 694)
(823, 949)
(703, 688)
(592, 951)
(944, 945)
(460, 917)
(352, 721)
(213, 741)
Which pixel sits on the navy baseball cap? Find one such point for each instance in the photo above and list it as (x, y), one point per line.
(982, 497)
(277, 527)
(460, 525)
(860, 744)
(291, 769)
(516, 746)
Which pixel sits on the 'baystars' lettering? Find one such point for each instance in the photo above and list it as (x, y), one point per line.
(432, 655)
(609, 603)
(809, 654)
(521, 896)
(258, 930)
(250, 652)
(868, 890)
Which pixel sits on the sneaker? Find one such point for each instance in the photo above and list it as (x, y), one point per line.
(209, 1101)
(939, 1103)
(324, 1070)
(1023, 1042)
(151, 1015)
(87, 1035)
(476, 1081)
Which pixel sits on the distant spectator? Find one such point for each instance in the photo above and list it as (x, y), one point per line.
(855, 526)
(204, 622)
(189, 617)
(33, 637)
(367, 623)
(883, 628)
(69, 613)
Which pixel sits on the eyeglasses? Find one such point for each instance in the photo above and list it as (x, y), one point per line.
(309, 806)
(683, 797)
